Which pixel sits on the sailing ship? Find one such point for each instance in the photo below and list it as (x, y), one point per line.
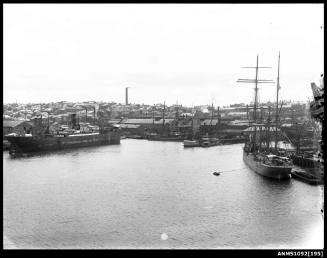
(258, 157)
(165, 134)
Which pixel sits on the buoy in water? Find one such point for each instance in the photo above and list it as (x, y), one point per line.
(164, 236)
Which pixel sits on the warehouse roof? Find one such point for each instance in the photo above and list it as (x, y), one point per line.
(14, 123)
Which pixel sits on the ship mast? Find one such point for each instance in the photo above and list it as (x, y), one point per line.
(268, 129)
(163, 115)
(256, 93)
(211, 117)
(218, 119)
(255, 81)
(276, 140)
(153, 119)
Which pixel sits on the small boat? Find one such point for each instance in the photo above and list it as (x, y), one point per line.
(207, 141)
(306, 177)
(191, 143)
(216, 173)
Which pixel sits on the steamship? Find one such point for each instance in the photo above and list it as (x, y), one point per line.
(42, 140)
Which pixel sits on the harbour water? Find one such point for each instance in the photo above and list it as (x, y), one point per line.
(150, 194)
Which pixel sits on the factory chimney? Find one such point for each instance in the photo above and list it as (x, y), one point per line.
(126, 96)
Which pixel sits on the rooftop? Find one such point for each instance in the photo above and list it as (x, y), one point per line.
(14, 123)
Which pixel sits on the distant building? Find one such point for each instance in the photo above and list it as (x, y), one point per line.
(157, 124)
(18, 127)
(132, 129)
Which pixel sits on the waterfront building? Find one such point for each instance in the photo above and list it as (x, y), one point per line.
(17, 126)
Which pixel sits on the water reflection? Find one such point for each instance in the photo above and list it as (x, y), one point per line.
(128, 195)
(73, 151)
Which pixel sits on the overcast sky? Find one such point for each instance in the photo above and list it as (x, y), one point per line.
(186, 53)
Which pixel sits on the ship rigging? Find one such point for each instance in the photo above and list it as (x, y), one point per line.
(260, 159)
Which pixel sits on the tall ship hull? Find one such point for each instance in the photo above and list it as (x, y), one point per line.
(257, 153)
(275, 172)
(23, 144)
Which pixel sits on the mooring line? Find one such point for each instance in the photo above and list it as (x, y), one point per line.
(230, 170)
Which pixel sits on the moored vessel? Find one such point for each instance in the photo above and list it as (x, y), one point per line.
(268, 165)
(207, 141)
(258, 155)
(191, 143)
(41, 140)
(306, 177)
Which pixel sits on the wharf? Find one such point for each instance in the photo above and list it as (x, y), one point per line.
(134, 137)
(303, 161)
(169, 139)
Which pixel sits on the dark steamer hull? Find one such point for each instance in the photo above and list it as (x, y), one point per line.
(37, 144)
(275, 172)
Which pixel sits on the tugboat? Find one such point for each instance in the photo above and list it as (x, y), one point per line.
(207, 141)
(258, 158)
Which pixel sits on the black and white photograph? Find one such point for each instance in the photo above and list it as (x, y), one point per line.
(163, 126)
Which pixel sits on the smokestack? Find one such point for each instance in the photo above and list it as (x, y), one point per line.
(247, 111)
(126, 96)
